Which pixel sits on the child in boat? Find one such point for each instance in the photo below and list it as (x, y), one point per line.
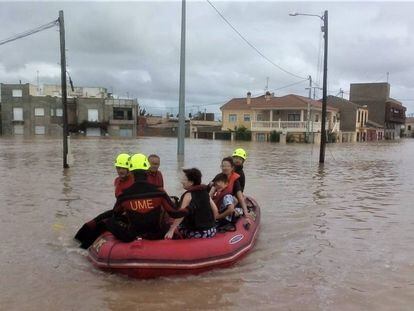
(154, 176)
(233, 187)
(226, 203)
(124, 179)
(200, 220)
(239, 156)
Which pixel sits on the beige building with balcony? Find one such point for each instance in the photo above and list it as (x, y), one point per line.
(293, 115)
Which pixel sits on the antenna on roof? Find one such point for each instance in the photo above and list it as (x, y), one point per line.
(267, 85)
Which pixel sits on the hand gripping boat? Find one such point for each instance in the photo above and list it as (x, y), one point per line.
(149, 258)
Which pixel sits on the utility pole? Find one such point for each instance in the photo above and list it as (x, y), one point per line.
(181, 108)
(324, 18)
(64, 90)
(308, 112)
(324, 91)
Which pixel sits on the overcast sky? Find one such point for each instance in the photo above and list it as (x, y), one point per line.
(134, 48)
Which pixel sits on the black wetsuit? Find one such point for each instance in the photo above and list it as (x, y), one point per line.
(242, 178)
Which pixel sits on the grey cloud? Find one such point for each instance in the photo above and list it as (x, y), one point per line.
(134, 47)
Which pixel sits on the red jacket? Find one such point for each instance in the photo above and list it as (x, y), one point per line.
(121, 185)
(218, 196)
(155, 179)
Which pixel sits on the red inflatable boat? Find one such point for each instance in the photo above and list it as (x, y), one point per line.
(149, 259)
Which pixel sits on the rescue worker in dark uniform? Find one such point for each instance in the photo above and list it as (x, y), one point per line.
(239, 156)
(139, 210)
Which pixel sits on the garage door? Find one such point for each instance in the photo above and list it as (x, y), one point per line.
(18, 130)
(93, 131)
(125, 132)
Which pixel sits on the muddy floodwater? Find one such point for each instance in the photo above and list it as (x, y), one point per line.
(340, 237)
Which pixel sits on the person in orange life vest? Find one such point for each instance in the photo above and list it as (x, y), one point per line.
(125, 179)
(154, 176)
(227, 203)
(139, 209)
(233, 187)
(87, 234)
(239, 156)
(200, 221)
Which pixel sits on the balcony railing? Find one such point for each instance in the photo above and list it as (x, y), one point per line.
(290, 126)
(397, 118)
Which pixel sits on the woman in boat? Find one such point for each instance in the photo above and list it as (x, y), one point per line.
(233, 187)
(200, 220)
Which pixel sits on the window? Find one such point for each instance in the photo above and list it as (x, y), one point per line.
(39, 130)
(17, 93)
(52, 112)
(93, 115)
(358, 116)
(18, 114)
(59, 112)
(409, 127)
(259, 117)
(118, 114)
(39, 112)
(316, 118)
(293, 117)
(246, 118)
(122, 113)
(232, 117)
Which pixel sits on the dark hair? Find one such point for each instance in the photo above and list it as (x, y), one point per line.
(221, 177)
(228, 159)
(153, 156)
(194, 175)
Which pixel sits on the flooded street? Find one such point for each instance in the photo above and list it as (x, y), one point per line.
(339, 237)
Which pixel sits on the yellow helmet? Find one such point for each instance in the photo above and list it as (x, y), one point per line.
(239, 152)
(138, 162)
(122, 160)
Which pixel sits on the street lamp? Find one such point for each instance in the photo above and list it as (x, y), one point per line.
(324, 18)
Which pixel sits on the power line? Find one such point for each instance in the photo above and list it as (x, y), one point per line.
(30, 32)
(166, 108)
(283, 87)
(251, 45)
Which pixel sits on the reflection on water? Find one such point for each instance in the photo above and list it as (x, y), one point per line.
(337, 237)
